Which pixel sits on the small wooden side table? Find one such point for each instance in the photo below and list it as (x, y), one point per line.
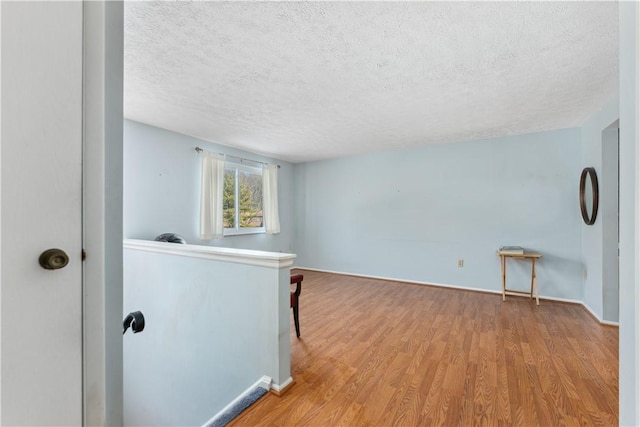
(533, 256)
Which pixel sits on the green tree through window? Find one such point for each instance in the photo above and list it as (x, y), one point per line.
(229, 201)
(242, 203)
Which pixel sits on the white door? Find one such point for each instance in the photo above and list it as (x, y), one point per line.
(41, 208)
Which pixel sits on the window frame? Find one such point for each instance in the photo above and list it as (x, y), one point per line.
(237, 230)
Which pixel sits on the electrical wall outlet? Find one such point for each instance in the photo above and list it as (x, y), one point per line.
(460, 263)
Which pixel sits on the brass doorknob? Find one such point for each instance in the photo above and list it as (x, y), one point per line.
(53, 259)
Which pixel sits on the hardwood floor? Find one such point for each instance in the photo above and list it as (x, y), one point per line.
(382, 353)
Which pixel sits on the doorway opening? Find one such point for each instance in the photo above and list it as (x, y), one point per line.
(610, 203)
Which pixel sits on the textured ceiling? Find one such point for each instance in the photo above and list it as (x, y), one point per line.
(304, 81)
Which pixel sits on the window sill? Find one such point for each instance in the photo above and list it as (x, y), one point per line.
(242, 232)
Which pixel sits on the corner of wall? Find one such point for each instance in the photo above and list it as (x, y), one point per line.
(591, 235)
(629, 30)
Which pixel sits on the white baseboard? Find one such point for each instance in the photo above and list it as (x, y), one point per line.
(465, 288)
(593, 313)
(264, 382)
(279, 387)
(610, 323)
(392, 279)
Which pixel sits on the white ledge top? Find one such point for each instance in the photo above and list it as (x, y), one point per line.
(240, 256)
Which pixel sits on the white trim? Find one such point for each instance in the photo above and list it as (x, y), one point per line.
(239, 256)
(1, 287)
(233, 164)
(636, 214)
(263, 382)
(391, 279)
(279, 387)
(463, 288)
(609, 323)
(241, 231)
(102, 211)
(593, 313)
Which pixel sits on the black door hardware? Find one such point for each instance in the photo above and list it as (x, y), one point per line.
(135, 319)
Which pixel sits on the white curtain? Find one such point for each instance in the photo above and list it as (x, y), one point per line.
(270, 199)
(211, 223)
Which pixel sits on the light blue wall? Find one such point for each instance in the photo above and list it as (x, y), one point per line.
(213, 328)
(411, 214)
(629, 16)
(162, 189)
(609, 211)
(592, 237)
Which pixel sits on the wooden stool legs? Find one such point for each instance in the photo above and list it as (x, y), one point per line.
(534, 281)
(296, 320)
(295, 296)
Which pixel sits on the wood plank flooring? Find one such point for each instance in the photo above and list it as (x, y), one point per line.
(383, 353)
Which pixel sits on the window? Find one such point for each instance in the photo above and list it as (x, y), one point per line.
(242, 202)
